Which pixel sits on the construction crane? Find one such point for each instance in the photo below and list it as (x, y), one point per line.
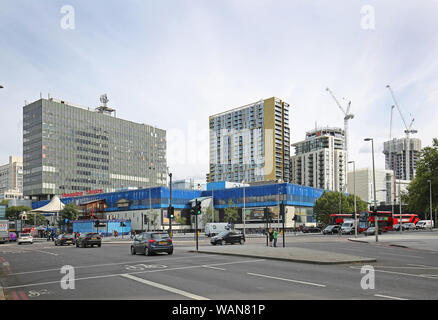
(408, 131)
(347, 117)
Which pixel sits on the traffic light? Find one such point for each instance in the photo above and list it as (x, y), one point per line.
(96, 223)
(282, 210)
(146, 219)
(196, 210)
(266, 213)
(122, 224)
(171, 211)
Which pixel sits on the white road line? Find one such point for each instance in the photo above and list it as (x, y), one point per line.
(422, 265)
(401, 273)
(137, 272)
(210, 267)
(389, 297)
(164, 287)
(102, 265)
(289, 280)
(55, 254)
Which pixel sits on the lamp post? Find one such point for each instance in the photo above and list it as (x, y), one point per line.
(244, 211)
(354, 192)
(170, 205)
(430, 192)
(376, 220)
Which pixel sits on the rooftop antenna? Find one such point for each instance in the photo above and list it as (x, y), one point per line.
(104, 108)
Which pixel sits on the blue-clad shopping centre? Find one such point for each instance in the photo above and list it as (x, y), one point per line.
(133, 205)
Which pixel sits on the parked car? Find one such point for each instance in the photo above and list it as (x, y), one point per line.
(152, 242)
(371, 231)
(331, 229)
(25, 238)
(213, 229)
(65, 239)
(12, 236)
(424, 224)
(228, 236)
(89, 239)
(311, 230)
(408, 226)
(348, 227)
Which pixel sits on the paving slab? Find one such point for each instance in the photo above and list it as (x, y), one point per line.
(291, 254)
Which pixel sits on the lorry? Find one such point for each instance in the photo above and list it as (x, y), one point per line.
(4, 231)
(214, 228)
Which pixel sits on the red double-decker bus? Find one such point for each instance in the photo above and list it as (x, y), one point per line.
(406, 218)
(336, 218)
(385, 220)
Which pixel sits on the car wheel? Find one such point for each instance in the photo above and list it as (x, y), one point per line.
(77, 245)
(147, 252)
(242, 241)
(133, 250)
(223, 242)
(99, 245)
(56, 244)
(170, 252)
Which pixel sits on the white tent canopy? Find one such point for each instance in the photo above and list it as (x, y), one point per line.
(55, 205)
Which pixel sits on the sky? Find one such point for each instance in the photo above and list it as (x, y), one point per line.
(172, 64)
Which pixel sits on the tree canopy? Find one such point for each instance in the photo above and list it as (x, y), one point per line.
(418, 197)
(329, 203)
(231, 213)
(13, 213)
(70, 212)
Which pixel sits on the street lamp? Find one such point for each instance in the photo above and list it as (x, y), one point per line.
(244, 210)
(354, 192)
(430, 192)
(376, 220)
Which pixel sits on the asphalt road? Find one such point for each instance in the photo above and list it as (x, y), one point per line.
(33, 272)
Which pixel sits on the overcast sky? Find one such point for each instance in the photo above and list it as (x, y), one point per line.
(173, 63)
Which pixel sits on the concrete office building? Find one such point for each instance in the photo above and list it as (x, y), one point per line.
(320, 160)
(11, 179)
(251, 143)
(364, 185)
(71, 150)
(396, 158)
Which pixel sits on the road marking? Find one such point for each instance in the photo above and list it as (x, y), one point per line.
(289, 280)
(421, 265)
(55, 254)
(138, 272)
(214, 268)
(401, 273)
(105, 264)
(389, 297)
(164, 287)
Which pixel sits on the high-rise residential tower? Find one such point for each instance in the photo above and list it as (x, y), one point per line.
(396, 154)
(74, 150)
(251, 143)
(320, 160)
(11, 178)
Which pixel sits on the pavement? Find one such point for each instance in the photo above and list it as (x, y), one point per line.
(424, 240)
(292, 254)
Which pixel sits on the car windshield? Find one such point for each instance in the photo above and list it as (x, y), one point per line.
(160, 236)
(223, 233)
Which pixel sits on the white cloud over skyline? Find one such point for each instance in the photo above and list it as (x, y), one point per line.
(171, 64)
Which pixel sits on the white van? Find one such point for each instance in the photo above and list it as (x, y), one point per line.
(424, 224)
(214, 228)
(348, 227)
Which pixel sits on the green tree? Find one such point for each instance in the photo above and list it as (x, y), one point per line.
(13, 213)
(181, 220)
(4, 202)
(38, 218)
(70, 212)
(208, 216)
(329, 202)
(231, 214)
(418, 196)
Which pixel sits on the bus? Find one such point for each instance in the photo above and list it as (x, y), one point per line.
(336, 218)
(406, 218)
(385, 219)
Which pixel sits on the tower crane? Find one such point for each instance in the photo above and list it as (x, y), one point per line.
(347, 117)
(408, 131)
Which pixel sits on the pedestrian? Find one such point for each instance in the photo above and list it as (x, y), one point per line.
(271, 237)
(275, 235)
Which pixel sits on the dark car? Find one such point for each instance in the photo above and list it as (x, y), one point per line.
(228, 236)
(331, 229)
(311, 230)
(152, 242)
(65, 239)
(89, 239)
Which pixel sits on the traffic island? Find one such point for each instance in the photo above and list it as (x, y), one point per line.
(290, 254)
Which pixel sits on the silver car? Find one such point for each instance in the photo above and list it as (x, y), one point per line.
(25, 238)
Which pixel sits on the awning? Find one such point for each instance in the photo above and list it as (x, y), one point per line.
(55, 205)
